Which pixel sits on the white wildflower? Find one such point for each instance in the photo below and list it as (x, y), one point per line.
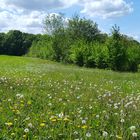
(88, 134)
(26, 130)
(122, 121)
(105, 134)
(97, 116)
(134, 134)
(83, 121)
(133, 128)
(9, 100)
(30, 125)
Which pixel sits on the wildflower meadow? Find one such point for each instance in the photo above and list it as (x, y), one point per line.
(44, 100)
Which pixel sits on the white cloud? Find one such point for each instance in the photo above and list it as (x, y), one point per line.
(134, 36)
(40, 4)
(106, 8)
(31, 22)
(27, 15)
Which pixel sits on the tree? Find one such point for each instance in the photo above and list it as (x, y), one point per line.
(17, 43)
(81, 28)
(117, 50)
(53, 23)
(2, 38)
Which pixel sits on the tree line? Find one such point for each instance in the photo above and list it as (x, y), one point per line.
(15, 42)
(75, 41)
(79, 41)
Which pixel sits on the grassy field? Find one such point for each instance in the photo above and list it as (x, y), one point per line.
(43, 100)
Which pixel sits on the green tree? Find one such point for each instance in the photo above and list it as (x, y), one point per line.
(81, 28)
(2, 38)
(53, 23)
(17, 43)
(117, 50)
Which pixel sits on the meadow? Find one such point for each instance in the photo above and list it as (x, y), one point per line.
(44, 100)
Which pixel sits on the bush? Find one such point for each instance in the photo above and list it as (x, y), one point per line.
(42, 48)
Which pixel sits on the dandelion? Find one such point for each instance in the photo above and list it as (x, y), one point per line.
(19, 96)
(97, 116)
(134, 134)
(88, 134)
(105, 134)
(66, 119)
(122, 121)
(115, 107)
(26, 130)
(75, 132)
(115, 114)
(84, 126)
(42, 124)
(9, 100)
(61, 115)
(132, 128)
(50, 104)
(30, 125)
(28, 118)
(9, 124)
(83, 121)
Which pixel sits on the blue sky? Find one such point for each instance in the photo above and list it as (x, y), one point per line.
(27, 15)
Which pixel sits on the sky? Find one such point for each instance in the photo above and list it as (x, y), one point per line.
(28, 15)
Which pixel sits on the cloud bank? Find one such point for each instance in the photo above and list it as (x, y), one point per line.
(106, 8)
(27, 15)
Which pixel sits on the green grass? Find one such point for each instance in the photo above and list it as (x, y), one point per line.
(43, 100)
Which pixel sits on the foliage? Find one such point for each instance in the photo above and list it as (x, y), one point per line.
(81, 28)
(117, 50)
(133, 54)
(42, 48)
(15, 42)
(53, 23)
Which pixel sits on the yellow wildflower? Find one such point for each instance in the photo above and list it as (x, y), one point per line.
(42, 124)
(9, 124)
(84, 126)
(66, 119)
(53, 118)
